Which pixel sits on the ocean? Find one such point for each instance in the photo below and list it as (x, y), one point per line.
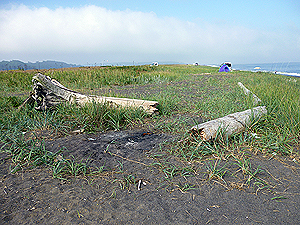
(285, 68)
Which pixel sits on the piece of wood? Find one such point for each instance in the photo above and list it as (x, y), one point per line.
(29, 100)
(54, 87)
(247, 92)
(228, 125)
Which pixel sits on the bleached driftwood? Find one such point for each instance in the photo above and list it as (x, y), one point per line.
(228, 125)
(44, 87)
(247, 92)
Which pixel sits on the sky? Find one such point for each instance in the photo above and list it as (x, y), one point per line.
(185, 31)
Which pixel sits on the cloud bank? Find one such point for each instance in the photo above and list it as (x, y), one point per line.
(94, 34)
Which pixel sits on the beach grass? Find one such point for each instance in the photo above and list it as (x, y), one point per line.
(187, 95)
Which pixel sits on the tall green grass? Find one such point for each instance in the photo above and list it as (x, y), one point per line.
(87, 77)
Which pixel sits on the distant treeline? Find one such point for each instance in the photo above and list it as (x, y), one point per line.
(19, 65)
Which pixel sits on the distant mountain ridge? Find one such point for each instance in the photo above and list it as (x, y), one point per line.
(16, 64)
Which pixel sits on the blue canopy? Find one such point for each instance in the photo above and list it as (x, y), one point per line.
(224, 68)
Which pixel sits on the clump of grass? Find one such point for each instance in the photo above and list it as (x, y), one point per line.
(192, 147)
(185, 187)
(32, 153)
(170, 170)
(247, 169)
(100, 117)
(63, 168)
(215, 171)
(92, 117)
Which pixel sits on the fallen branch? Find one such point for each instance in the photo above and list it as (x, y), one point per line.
(28, 100)
(45, 87)
(228, 125)
(247, 92)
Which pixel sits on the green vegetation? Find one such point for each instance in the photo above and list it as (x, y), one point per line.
(187, 94)
(86, 77)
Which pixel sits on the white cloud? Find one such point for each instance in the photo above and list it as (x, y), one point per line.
(94, 33)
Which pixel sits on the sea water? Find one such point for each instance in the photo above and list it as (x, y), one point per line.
(285, 68)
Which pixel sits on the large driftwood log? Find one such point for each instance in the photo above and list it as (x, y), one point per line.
(44, 87)
(228, 125)
(247, 92)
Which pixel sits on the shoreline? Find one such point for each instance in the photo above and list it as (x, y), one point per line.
(261, 68)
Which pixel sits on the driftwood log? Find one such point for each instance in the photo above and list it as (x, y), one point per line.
(247, 92)
(228, 125)
(49, 92)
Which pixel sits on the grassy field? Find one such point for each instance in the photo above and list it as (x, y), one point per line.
(187, 94)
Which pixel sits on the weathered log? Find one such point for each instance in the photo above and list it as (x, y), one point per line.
(228, 125)
(247, 92)
(50, 86)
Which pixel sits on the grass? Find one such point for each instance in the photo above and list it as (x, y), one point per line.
(186, 95)
(86, 78)
(215, 171)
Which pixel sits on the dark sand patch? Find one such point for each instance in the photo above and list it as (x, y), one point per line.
(35, 197)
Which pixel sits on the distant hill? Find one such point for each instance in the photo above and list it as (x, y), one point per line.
(16, 64)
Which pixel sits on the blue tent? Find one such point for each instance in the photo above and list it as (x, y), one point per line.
(224, 68)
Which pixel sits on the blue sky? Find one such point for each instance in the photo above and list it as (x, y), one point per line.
(208, 32)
